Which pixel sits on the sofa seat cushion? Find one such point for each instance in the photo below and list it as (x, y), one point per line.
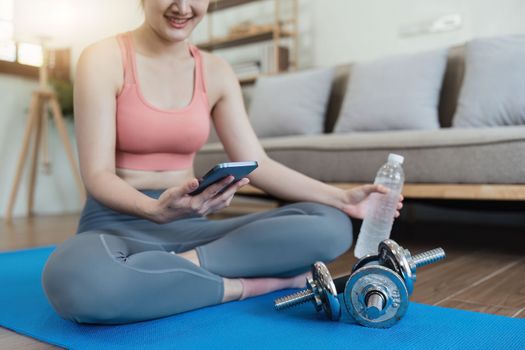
(484, 155)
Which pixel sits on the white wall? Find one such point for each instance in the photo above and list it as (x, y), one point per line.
(332, 32)
(353, 30)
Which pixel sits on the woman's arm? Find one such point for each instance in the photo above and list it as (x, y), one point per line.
(240, 143)
(97, 82)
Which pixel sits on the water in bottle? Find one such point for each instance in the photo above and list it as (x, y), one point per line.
(379, 216)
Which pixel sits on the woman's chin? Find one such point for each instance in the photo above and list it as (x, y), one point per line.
(176, 35)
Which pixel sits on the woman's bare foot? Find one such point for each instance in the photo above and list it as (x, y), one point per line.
(258, 286)
(233, 289)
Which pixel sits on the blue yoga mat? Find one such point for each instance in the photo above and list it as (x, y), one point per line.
(249, 324)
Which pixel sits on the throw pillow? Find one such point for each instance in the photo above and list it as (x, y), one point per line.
(493, 90)
(397, 92)
(292, 103)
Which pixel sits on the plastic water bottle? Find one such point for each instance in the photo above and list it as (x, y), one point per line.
(380, 213)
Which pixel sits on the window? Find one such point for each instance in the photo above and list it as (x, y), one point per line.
(7, 45)
(6, 10)
(7, 50)
(23, 53)
(30, 54)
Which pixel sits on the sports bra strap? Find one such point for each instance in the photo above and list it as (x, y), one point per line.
(127, 57)
(198, 67)
(126, 48)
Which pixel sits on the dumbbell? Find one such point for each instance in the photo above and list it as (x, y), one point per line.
(378, 287)
(400, 260)
(321, 289)
(376, 294)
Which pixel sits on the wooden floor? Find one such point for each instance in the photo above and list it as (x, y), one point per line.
(484, 270)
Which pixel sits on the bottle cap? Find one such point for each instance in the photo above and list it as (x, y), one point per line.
(392, 157)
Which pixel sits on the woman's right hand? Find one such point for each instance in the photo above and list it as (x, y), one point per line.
(175, 202)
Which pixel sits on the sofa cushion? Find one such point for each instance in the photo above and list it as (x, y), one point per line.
(397, 92)
(485, 155)
(451, 87)
(291, 104)
(494, 86)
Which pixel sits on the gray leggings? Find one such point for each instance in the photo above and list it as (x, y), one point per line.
(119, 269)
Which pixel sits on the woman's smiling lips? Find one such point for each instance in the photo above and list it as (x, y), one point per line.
(178, 22)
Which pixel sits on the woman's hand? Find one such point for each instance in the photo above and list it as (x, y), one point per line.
(357, 200)
(176, 202)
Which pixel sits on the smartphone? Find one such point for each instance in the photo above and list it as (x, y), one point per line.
(237, 169)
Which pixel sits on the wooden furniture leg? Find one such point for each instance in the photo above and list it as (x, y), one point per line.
(41, 105)
(37, 122)
(32, 116)
(59, 121)
(44, 146)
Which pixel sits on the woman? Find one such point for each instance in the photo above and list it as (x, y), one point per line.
(144, 248)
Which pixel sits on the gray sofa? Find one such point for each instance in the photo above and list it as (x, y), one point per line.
(457, 163)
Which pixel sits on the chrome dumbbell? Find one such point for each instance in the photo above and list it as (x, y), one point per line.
(397, 258)
(376, 294)
(321, 290)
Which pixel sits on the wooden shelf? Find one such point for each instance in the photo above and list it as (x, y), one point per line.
(248, 80)
(280, 24)
(219, 5)
(241, 40)
(252, 79)
(19, 69)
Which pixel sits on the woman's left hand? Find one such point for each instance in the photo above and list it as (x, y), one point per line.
(357, 200)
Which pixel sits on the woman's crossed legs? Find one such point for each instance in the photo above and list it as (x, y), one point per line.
(134, 271)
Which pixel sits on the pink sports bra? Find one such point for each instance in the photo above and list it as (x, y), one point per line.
(150, 138)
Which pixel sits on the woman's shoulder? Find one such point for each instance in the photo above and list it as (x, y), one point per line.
(102, 61)
(103, 51)
(218, 68)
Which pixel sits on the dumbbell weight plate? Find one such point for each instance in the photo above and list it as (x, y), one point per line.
(394, 256)
(326, 291)
(366, 260)
(380, 278)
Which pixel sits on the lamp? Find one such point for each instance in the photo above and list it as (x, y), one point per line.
(48, 22)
